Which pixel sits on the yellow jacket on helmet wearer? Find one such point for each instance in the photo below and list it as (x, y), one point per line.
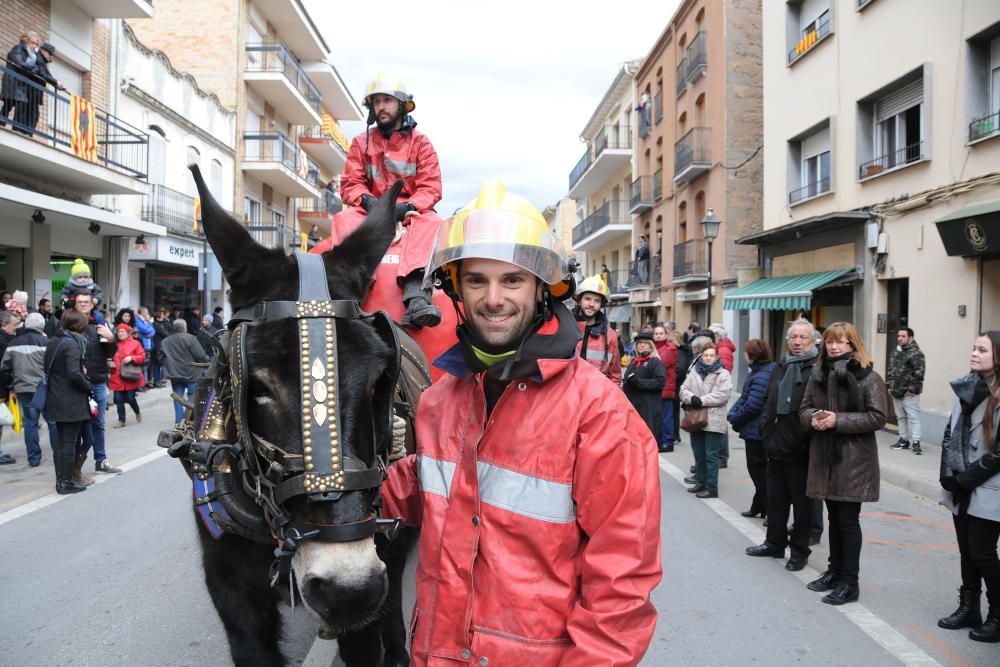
(501, 226)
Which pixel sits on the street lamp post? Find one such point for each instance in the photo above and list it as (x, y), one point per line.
(710, 230)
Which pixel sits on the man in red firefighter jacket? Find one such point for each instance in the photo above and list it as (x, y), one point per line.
(535, 482)
(377, 159)
(599, 345)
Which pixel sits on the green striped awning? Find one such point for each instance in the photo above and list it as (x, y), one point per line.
(784, 293)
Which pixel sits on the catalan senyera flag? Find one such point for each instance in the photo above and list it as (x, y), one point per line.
(303, 242)
(332, 129)
(83, 124)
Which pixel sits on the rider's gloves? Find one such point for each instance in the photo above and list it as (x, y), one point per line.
(367, 201)
(403, 209)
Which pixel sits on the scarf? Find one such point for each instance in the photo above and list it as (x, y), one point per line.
(704, 370)
(792, 377)
(840, 376)
(80, 339)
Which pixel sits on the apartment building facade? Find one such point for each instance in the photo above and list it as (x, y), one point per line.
(268, 62)
(881, 184)
(701, 150)
(600, 184)
(64, 178)
(186, 125)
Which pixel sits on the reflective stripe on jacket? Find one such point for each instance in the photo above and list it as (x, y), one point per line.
(602, 351)
(540, 528)
(406, 155)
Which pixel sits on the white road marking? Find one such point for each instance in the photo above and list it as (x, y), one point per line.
(52, 498)
(884, 634)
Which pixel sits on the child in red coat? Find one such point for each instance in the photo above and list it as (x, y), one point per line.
(129, 352)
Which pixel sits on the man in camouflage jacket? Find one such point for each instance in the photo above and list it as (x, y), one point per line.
(905, 383)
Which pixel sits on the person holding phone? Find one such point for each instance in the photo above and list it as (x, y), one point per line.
(844, 405)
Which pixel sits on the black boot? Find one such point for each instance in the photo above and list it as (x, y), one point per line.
(420, 310)
(988, 631)
(64, 475)
(968, 614)
(916, 447)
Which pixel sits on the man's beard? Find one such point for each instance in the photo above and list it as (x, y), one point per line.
(389, 125)
(499, 342)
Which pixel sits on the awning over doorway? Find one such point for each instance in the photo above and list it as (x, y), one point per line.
(971, 231)
(620, 313)
(784, 293)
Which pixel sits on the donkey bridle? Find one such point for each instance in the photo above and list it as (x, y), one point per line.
(322, 473)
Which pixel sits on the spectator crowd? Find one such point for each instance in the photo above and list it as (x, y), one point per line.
(58, 365)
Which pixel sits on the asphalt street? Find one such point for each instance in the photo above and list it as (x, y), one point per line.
(112, 576)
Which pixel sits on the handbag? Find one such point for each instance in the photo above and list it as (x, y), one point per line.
(695, 419)
(130, 372)
(6, 416)
(42, 390)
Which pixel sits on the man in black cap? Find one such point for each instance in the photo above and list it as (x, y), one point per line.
(40, 74)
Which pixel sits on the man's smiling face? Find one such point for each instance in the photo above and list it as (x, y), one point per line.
(500, 300)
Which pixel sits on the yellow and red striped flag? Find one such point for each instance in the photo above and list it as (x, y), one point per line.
(83, 124)
(197, 214)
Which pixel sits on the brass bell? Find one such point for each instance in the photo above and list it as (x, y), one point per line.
(215, 430)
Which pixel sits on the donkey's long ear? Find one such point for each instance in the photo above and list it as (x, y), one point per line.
(352, 264)
(230, 241)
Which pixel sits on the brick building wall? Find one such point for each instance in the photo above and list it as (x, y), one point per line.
(214, 58)
(744, 130)
(96, 82)
(19, 16)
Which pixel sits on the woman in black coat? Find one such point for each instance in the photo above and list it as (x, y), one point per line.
(745, 416)
(643, 382)
(67, 401)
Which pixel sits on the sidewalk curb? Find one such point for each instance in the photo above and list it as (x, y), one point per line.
(927, 489)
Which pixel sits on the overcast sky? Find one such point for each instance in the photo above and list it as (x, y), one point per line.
(503, 89)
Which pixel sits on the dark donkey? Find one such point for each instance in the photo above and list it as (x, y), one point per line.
(288, 440)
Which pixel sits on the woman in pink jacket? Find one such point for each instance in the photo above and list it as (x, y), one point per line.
(129, 352)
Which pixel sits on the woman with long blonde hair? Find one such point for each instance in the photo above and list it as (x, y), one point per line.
(843, 406)
(970, 477)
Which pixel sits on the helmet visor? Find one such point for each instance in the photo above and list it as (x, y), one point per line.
(504, 236)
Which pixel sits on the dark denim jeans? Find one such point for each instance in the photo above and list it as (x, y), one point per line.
(93, 430)
(180, 388)
(667, 434)
(29, 421)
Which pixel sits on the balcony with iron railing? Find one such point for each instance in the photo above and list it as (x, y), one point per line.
(640, 195)
(69, 142)
(329, 151)
(318, 211)
(275, 234)
(682, 67)
(697, 57)
(610, 151)
(174, 210)
(692, 154)
(690, 261)
(645, 273)
(279, 78)
(892, 161)
(610, 220)
(808, 191)
(985, 126)
(617, 280)
(810, 39)
(275, 160)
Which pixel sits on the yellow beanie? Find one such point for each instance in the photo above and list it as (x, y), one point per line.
(80, 268)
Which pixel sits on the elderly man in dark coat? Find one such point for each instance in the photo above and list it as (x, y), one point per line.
(14, 90)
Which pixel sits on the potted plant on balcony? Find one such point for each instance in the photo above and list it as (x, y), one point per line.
(873, 169)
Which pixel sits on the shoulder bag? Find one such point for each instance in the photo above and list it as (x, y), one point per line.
(696, 419)
(42, 390)
(130, 372)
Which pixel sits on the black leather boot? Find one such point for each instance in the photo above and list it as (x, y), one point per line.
(968, 614)
(64, 475)
(420, 310)
(826, 581)
(842, 593)
(988, 631)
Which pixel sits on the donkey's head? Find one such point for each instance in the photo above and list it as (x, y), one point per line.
(313, 405)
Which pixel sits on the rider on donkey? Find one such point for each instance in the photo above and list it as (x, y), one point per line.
(535, 483)
(375, 161)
